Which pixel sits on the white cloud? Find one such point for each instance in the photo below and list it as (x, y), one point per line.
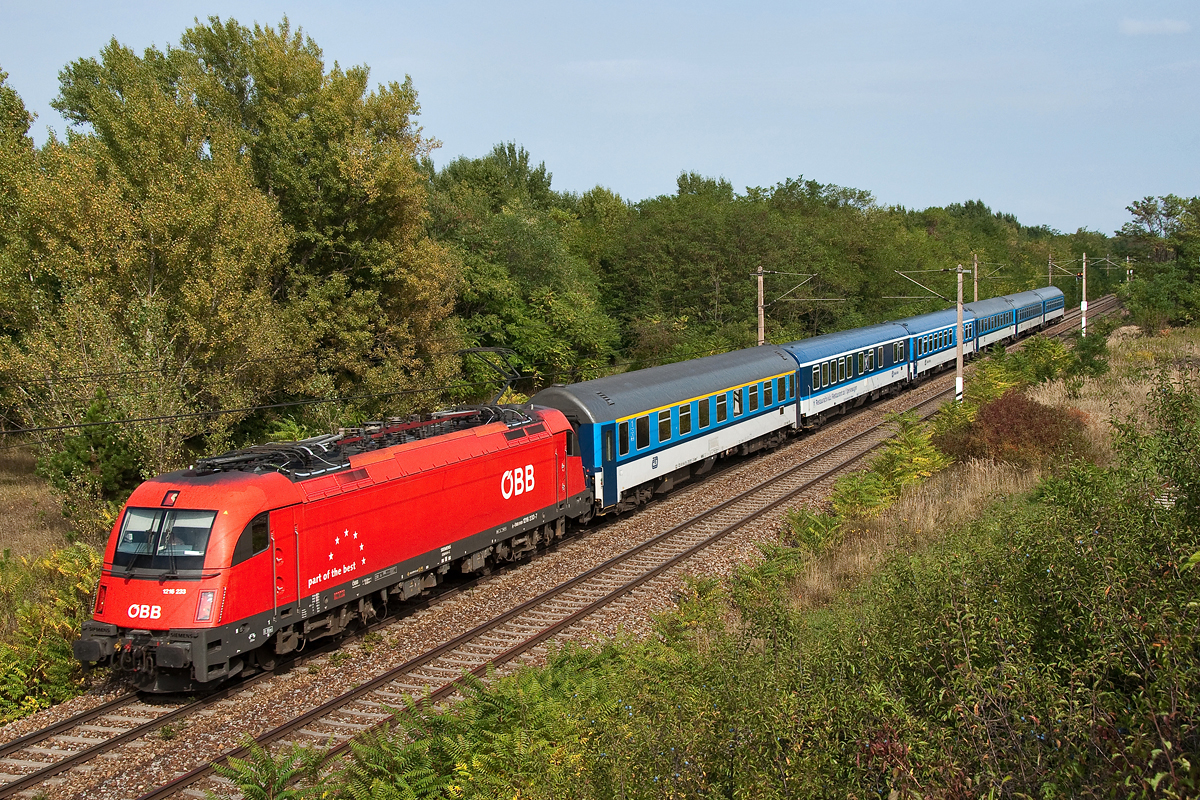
(1151, 27)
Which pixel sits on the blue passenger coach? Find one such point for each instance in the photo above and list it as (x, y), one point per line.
(644, 431)
(993, 320)
(1030, 310)
(847, 368)
(1053, 302)
(931, 339)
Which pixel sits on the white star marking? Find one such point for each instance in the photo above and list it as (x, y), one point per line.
(360, 548)
(356, 534)
(331, 556)
(336, 540)
(364, 562)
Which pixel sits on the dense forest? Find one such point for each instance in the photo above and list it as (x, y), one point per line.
(236, 242)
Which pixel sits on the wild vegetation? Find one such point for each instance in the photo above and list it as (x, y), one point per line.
(235, 242)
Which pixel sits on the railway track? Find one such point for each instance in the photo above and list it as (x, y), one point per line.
(498, 642)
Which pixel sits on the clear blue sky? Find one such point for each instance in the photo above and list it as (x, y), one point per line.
(1059, 112)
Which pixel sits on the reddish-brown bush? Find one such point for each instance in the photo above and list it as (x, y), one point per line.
(1018, 430)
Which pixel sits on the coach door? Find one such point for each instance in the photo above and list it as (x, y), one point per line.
(608, 462)
(284, 524)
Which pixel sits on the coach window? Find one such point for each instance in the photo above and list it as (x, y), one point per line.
(753, 398)
(722, 405)
(607, 444)
(824, 374)
(254, 539)
(767, 394)
(685, 419)
(664, 425)
(791, 385)
(623, 438)
(862, 362)
(643, 432)
(704, 413)
(841, 369)
(737, 402)
(781, 389)
(816, 381)
(878, 357)
(870, 361)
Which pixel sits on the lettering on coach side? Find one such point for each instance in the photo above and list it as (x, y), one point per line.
(517, 481)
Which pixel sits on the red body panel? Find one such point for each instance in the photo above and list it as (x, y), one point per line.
(392, 505)
(430, 495)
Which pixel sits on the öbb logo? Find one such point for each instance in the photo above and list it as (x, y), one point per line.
(143, 611)
(517, 481)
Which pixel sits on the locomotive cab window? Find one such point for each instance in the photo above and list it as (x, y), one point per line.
(643, 432)
(165, 540)
(722, 405)
(254, 540)
(572, 443)
(664, 425)
(685, 419)
(623, 438)
(704, 411)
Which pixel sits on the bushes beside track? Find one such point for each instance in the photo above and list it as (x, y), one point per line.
(43, 602)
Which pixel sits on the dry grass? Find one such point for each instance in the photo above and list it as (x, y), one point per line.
(1135, 363)
(31, 514)
(951, 497)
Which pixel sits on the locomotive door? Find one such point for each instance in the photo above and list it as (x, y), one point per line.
(608, 462)
(284, 526)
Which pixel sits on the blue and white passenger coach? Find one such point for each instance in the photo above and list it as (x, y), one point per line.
(847, 368)
(644, 431)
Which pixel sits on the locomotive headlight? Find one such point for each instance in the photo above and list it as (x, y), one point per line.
(100, 594)
(204, 606)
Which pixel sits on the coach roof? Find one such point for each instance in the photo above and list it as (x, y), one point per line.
(631, 393)
(828, 345)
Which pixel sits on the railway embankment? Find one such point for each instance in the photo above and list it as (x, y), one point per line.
(1022, 620)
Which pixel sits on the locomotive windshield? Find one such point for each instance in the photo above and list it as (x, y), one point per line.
(163, 540)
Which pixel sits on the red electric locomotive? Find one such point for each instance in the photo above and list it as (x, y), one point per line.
(252, 554)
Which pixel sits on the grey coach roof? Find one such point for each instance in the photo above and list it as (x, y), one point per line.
(826, 345)
(629, 393)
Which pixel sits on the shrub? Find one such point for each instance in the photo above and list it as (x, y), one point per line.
(1018, 430)
(43, 603)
